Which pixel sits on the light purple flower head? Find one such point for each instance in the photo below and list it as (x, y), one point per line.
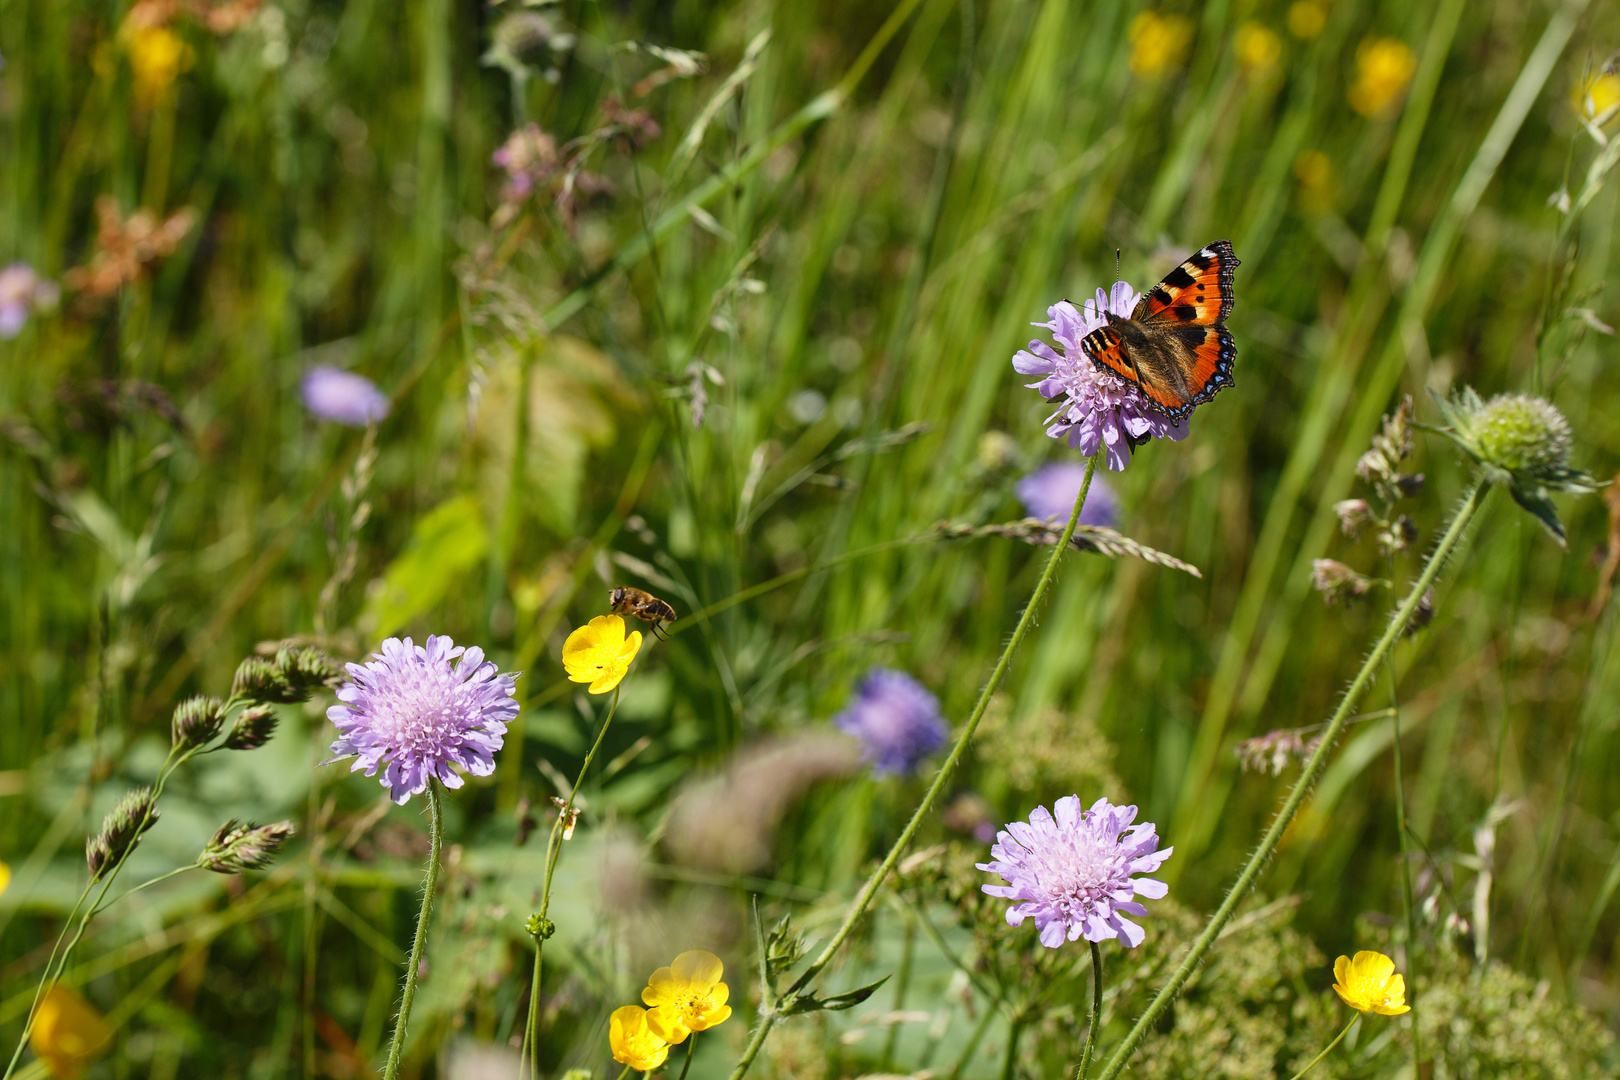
(412, 714)
(22, 291)
(1097, 408)
(896, 719)
(1050, 491)
(1072, 873)
(334, 394)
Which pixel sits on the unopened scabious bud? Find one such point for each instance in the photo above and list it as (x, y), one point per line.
(1522, 442)
(120, 831)
(237, 847)
(196, 722)
(1353, 514)
(258, 679)
(1338, 583)
(253, 728)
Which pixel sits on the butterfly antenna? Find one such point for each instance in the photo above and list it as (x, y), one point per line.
(1116, 264)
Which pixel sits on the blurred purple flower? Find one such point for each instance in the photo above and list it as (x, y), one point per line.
(1050, 491)
(1096, 409)
(409, 712)
(1072, 874)
(896, 719)
(21, 292)
(334, 394)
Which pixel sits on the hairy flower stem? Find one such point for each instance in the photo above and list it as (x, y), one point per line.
(864, 898)
(531, 1026)
(1406, 841)
(429, 886)
(1353, 1018)
(1307, 778)
(1096, 1012)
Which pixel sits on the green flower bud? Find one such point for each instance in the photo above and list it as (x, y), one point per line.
(258, 679)
(1523, 443)
(120, 831)
(237, 847)
(253, 728)
(196, 722)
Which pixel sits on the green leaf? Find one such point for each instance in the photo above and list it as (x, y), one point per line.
(809, 1003)
(444, 545)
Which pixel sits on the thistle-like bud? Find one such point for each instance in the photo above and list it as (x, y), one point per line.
(258, 679)
(253, 728)
(237, 847)
(120, 831)
(1353, 514)
(1338, 583)
(305, 669)
(196, 722)
(1522, 442)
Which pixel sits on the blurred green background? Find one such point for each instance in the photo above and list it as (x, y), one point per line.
(833, 227)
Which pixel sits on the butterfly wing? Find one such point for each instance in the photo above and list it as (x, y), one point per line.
(1107, 348)
(1198, 292)
(1184, 352)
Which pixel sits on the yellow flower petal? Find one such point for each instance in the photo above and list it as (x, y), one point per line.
(68, 1031)
(1368, 983)
(698, 967)
(598, 653)
(687, 996)
(633, 1042)
(668, 1024)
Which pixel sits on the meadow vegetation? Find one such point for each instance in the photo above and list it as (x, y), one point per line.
(332, 323)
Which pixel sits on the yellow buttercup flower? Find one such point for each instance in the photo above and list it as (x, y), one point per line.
(1598, 99)
(1369, 984)
(5, 878)
(157, 56)
(633, 1044)
(1307, 18)
(1258, 48)
(1384, 67)
(687, 996)
(68, 1032)
(1318, 183)
(598, 653)
(1158, 41)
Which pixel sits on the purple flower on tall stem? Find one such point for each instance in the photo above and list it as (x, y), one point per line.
(412, 714)
(1072, 873)
(1094, 408)
(1049, 492)
(342, 396)
(896, 719)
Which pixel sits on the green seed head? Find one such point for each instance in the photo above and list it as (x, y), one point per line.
(1522, 435)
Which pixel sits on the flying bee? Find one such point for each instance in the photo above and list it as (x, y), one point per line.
(643, 605)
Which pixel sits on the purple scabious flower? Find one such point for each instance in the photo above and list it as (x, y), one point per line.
(413, 715)
(21, 292)
(1072, 873)
(334, 394)
(1049, 492)
(896, 719)
(1094, 408)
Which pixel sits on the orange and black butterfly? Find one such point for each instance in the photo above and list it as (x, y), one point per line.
(1175, 346)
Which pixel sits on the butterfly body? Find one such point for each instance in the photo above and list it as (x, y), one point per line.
(1174, 346)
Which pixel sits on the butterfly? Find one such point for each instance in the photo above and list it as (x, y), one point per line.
(1175, 346)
